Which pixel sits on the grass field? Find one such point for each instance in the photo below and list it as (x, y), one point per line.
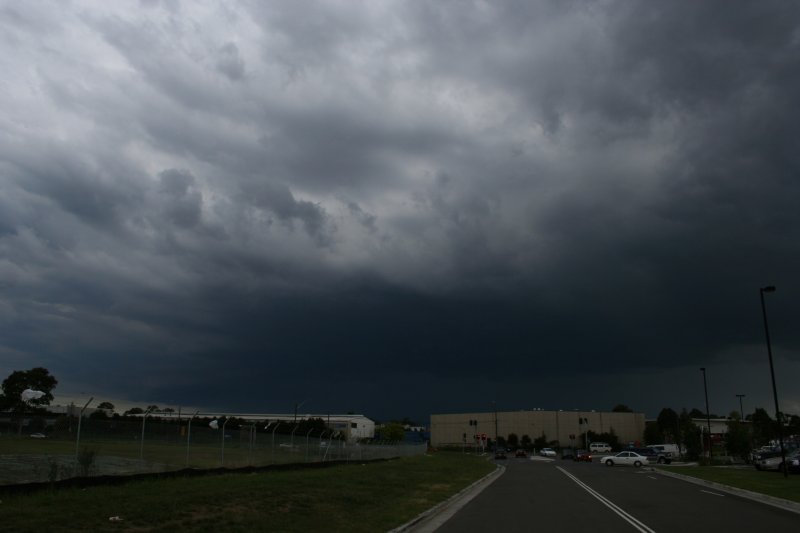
(369, 497)
(770, 483)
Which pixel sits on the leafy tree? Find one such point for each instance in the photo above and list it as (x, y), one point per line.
(315, 425)
(133, 411)
(621, 408)
(764, 427)
(526, 442)
(393, 431)
(106, 405)
(609, 437)
(737, 439)
(690, 435)
(98, 414)
(513, 440)
(38, 379)
(697, 413)
(668, 424)
(793, 424)
(540, 441)
(653, 434)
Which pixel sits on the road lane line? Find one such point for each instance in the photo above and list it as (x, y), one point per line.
(653, 477)
(608, 503)
(714, 493)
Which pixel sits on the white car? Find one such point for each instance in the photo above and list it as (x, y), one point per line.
(547, 452)
(624, 458)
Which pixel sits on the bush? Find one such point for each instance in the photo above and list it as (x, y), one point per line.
(86, 459)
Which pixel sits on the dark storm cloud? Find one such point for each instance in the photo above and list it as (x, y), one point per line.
(363, 199)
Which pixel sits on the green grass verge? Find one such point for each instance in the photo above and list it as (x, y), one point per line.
(369, 497)
(769, 483)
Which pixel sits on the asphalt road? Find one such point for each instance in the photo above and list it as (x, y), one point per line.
(564, 496)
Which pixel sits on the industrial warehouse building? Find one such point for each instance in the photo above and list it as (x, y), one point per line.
(450, 429)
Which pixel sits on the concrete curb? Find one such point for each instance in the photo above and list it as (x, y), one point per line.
(786, 505)
(434, 517)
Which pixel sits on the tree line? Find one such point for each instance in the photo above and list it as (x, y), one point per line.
(743, 435)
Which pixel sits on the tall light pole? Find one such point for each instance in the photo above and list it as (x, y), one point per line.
(778, 415)
(708, 416)
(494, 404)
(581, 422)
(741, 408)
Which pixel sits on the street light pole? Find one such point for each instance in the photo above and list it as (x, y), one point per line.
(494, 403)
(778, 415)
(741, 408)
(708, 416)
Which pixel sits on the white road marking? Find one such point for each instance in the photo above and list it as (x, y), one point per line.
(653, 477)
(608, 503)
(713, 493)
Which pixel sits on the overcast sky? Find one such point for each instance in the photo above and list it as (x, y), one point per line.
(402, 208)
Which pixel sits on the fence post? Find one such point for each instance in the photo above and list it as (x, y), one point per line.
(273, 441)
(189, 436)
(320, 443)
(252, 442)
(307, 434)
(141, 446)
(80, 417)
(222, 460)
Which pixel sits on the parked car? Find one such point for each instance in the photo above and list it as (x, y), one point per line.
(652, 455)
(794, 462)
(38, 435)
(582, 455)
(625, 458)
(763, 452)
(599, 447)
(500, 454)
(547, 452)
(521, 453)
(768, 460)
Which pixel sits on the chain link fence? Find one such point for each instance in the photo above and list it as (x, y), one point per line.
(125, 446)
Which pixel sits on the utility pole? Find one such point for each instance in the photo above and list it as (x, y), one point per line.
(708, 416)
(778, 414)
(741, 408)
(494, 404)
